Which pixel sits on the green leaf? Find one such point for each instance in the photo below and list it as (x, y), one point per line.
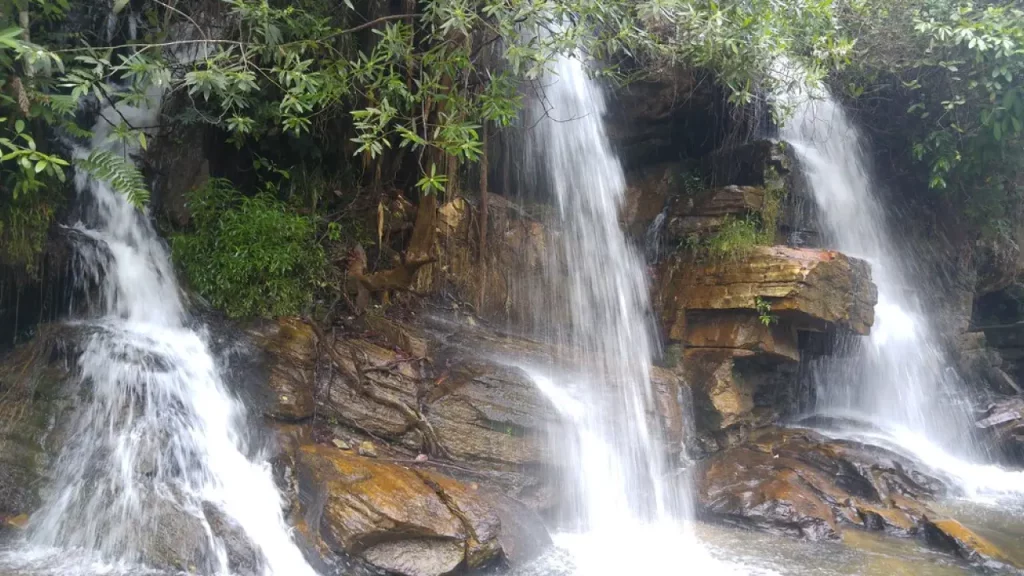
(119, 5)
(19, 126)
(41, 165)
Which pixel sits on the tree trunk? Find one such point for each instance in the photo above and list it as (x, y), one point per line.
(483, 223)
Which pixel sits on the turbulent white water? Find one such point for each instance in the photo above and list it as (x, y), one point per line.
(898, 378)
(157, 468)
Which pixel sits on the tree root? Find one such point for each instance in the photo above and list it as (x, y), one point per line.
(415, 419)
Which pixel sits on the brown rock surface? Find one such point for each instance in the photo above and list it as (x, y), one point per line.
(516, 251)
(289, 345)
(405, 521)
(950, 535)
(809, 288)
(798, 482)
(741, 330)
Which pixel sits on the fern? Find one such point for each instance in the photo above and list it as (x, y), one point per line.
(122, 175)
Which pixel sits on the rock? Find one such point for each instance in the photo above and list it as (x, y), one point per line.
(341, 444)
(721, 396)
(422, 458)
(954, 537)
(810, 289)
(243, 558)
(410, 339)
(800, 483)
(1002, 424)
(487, 416)
(38, 397)
(368, 449)
(416, 557)
(647, 191)
(741, 330)
(516, 254)
(658, 118)
(288, 345)
(756, 163)
(405, 521)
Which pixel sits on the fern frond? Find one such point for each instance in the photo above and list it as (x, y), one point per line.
(121, 173)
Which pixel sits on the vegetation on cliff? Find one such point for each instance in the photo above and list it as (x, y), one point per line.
(363, 103)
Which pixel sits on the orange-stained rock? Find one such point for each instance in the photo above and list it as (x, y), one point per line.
(517, 249)
(808, 288)
(411, 522)
(953, 536)
(801, 483)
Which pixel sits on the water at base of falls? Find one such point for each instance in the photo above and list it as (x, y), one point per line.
(157, 467)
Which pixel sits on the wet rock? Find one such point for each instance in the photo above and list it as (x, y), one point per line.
(1002, 424)
(408, 338)
(35, 407)
(722, 397)
(658, 118)
(954, 537)
(810, 289)
(340, 444)
(288, 344)
(486, 416)
(243, 557)
(515, 255)
(756, 163)
(800, 483)
(405, 521)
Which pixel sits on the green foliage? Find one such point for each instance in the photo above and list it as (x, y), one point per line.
(764, 311)
(249, 256)
(956, 66)
(733, 239)
(120, 172)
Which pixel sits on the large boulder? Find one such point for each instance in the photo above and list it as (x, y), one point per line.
(406, 521)
(37, 400)
(810, 289)
(798, 482)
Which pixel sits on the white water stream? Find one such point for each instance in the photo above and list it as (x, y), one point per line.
(899, 378)
(158, 464)
(628, 510)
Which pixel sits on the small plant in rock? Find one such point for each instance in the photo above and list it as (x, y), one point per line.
(764, 311)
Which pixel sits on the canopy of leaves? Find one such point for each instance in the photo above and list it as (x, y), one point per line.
(955, 67)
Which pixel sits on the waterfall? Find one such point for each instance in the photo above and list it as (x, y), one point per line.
(899, 379)
(158, 459)
(628, 507)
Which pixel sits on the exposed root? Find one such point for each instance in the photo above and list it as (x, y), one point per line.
(414, 418)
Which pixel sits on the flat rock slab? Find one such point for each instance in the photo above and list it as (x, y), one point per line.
(811, 289)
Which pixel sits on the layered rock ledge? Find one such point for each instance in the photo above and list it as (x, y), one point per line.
(810, 288)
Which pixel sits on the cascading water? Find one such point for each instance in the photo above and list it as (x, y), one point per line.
(625, 495)
(156, 461)
(898, 379)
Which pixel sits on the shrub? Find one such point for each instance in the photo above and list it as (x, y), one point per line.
(249, 256)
